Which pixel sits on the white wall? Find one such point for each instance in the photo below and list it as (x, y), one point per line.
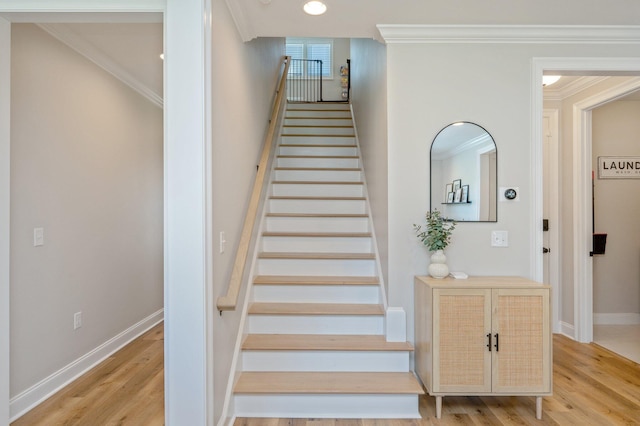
(244, 77)
(86, 165)
(369, 100)
(616, 274)
(431, 85)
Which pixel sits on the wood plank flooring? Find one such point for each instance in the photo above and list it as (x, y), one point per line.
(125, 389)
(592, 386)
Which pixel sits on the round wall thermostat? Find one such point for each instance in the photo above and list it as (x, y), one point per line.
(510, 194)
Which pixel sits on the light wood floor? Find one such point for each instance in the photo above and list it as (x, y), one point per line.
(125, 389)
(592, 386)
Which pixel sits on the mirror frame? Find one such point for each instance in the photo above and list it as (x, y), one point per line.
(431, 207)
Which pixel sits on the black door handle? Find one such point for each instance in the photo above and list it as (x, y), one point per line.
(545, 250)
(497, 344)
(489, 344)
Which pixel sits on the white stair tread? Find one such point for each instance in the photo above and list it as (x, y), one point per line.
(299, 145)
(310, 182)
(324, 342)
(259, 308)
(305, 197)
(318, 234)
(312, 135)
(317, 215)
(317, 156)
(313, 280)
(304, 255)
(319, 169)
(327, 383)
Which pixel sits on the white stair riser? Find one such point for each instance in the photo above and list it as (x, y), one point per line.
(316, 150)
(318, 189)
(316, 324)
(318, 121)
(328, 114)
(317, 162)
(317, 206)
(317, 293)
(328, 406)
(318, 244)
(360, 361)
(317, 224)
(314, 140)
(318, 267)
(320, 175)
(313, 106)
(320, 130)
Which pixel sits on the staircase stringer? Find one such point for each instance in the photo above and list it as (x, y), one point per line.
(374, 241)
(236, 361)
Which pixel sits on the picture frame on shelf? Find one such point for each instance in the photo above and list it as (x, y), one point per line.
(464, 198)
(458, 196)
(450, 196)
(457, 184)
(448, 189)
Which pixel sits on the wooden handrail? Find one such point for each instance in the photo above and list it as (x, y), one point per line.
(229, 301)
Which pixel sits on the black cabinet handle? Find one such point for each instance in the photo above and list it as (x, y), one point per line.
(489, 344)
(497, 344)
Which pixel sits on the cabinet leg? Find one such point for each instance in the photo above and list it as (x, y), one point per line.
(438, 407)
(539, 407)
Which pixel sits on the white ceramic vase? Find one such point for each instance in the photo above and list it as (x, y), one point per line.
(438, 267)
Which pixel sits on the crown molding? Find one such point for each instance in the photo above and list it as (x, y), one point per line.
(239, 18)
(67, 36)
(538, 34)
(573, 88)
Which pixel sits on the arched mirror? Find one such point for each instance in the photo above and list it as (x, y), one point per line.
(464, 168)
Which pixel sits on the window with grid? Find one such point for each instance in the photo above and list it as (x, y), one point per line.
(310, 49)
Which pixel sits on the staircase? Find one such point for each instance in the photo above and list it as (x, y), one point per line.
(315, 343)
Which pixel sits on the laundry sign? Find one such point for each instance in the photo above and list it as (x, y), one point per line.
(619, 167)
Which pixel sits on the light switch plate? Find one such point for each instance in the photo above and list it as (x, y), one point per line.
(499, 239)
(38, 237)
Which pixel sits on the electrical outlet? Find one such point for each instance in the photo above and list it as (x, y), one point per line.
(77, 320)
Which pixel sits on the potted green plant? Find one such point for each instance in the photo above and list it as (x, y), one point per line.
(436, 236)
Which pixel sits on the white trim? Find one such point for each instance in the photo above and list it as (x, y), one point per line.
(75, 6)
(30, 398)
(536, 266)
(617, 319)
(568, 330)
(187, 332)
(538, 34)
(5, 188)
(67, 36)
(555, 219)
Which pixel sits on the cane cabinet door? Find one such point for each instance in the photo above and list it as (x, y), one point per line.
(521, 334)
(462, 322)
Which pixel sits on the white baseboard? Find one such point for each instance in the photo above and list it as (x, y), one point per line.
(36, 394)
(568, 330)
(616, 319)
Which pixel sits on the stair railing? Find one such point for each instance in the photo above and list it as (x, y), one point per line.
(229, 301)
(304, 81)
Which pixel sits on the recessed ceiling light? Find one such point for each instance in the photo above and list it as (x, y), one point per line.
(548, 80)
(315, 7)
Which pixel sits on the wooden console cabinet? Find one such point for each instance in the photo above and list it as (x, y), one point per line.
(483, 336)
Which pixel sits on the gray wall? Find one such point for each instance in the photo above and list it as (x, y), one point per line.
(86, 165)
(431, 85)
(616, 275)
(244, 78)
(369, 99)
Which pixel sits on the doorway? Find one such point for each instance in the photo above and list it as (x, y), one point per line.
(581, 286)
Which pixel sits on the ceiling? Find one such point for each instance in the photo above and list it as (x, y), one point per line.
(130, 50)
(358, 18)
